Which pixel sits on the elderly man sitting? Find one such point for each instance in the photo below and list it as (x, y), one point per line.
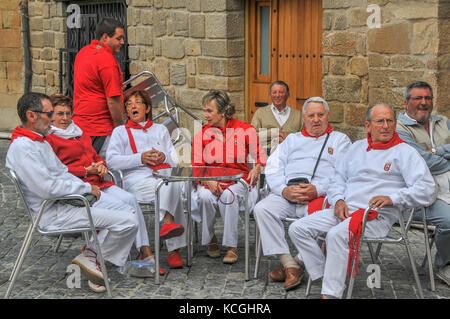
(43, 176)
(311, 154)
(381, 172)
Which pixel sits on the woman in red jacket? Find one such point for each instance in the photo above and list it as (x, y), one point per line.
(224, 142)
(75, 150)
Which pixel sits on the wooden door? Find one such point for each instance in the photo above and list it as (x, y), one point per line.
(284, 43)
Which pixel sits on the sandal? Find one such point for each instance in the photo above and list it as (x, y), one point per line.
(231, 257)
(213, 250)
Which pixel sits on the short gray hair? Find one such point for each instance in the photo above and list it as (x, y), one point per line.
(316, 99)
(370, 110)
(416, 85)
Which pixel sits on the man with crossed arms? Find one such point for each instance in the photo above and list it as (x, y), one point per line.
(381, 171)
(297, 157)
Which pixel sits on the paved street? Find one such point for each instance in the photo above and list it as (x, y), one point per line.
(44, 272)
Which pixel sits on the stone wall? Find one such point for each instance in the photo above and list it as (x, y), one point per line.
(11, 63)
(364, 65)
(191, 46)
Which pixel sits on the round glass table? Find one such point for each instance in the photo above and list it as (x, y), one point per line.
(188, 175)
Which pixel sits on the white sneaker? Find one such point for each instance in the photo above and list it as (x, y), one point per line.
(96, 288)
(444, 274)
(88, 263)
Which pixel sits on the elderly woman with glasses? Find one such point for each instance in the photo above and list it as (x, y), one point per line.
(74, 149)
(212, 147)
(139, 147)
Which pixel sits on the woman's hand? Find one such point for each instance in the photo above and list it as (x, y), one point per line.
(153, 157)
(253, 175)
(214, 187)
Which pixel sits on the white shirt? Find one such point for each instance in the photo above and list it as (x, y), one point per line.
(42, 175)
(282, 116)
(120, 156)
(297, 156)
(398, 172)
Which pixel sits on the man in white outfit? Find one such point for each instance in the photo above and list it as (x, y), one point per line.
(381, 171)
(43, 176)
(297, 157)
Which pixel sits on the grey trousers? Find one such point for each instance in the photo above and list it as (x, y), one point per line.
(438, 214)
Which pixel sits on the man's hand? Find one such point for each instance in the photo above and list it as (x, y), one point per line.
(341, 210)
(378, 202)
(308, 191)
(95, 191)
(292, 193)
(282, 136)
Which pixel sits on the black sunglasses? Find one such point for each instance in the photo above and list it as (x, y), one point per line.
(49, 114)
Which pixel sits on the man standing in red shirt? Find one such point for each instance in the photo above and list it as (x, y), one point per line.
(98, 94)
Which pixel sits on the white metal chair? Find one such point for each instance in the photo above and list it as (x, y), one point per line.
(170, 116)
(258, 247)
(34, 225)
(402, 239)
(429, 232)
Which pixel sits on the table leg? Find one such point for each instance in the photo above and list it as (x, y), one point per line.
(189, 224)
(247, 229)
(157, 214)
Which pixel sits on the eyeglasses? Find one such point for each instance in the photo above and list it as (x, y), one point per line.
(381, 122)
(128, 103)
(49, 114)
(419, 98)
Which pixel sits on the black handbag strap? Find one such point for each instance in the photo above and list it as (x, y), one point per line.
(320, 155)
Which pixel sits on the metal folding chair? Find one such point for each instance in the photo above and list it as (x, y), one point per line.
(429, 233)
(170, 116)
(34, 225)
(402, 239)
(258, 247)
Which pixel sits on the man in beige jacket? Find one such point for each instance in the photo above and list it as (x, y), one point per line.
(274, 122)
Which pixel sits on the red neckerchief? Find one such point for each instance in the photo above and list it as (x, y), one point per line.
(316, 205)
(131, 124)
(328, 130)
(383, 146)
(354, 230)
(138, 126)
(20, 131)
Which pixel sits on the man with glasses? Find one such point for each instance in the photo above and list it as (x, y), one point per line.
(430, 136)
(381, 171)
(98, 93)
(43, 176)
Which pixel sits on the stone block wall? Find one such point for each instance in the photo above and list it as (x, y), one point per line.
(47, 35)
(364, 65)
(11, 63)
(191, 46)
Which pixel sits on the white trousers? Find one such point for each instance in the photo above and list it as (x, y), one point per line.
(170, 200)
(206, 204)
(269, 214)
(333, 266)
(121, 223)
(113, 197)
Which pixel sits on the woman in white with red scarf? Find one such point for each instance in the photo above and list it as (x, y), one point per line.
(139, 147)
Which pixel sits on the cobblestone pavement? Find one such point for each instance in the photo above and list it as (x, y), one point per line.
(44, 276)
